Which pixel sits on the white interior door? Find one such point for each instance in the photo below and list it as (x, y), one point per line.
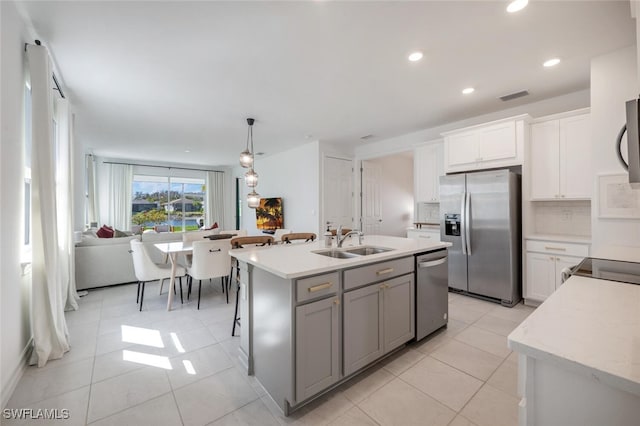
(338, 192)
(371, 201)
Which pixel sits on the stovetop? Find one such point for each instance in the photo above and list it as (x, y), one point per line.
(613, 270)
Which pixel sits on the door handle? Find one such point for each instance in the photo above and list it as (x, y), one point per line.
(467, 226)
(432, 263)
(463, 226)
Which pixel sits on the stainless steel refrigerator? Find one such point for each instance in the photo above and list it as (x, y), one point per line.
(480, 216)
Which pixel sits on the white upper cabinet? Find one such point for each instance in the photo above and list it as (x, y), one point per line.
(496, 144)
(428, 167)
(560, 166)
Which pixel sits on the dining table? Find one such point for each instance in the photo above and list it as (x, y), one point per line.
(174, 249)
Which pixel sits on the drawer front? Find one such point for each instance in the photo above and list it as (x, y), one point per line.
(377, 272)
(557, 247)
(318, 286)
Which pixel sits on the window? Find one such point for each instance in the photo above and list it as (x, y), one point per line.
(162, 200)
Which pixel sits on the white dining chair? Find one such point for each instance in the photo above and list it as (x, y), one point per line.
(210, 260)
(189, 237)
(146, 270)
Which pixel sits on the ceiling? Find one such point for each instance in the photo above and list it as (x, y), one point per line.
(150, 80)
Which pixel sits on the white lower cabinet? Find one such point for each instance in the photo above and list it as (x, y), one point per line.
(377, 319)
(317, 346)
(545, 261)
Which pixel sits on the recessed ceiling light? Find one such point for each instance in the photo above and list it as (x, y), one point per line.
(468, 90)
(415, 56)
(187, 150)
(551, 62)
(517, 5)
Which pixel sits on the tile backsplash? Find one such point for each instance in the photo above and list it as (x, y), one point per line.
(562, 218)
(428, 212)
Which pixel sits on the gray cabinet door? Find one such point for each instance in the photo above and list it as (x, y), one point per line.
(362, 327)
(398, 311)
(317, 347)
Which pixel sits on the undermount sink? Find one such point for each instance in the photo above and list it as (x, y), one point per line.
(352, 252)
(367, 250)
(338, 254)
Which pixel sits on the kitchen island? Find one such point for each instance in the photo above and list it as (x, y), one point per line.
(579, 356)
(310, 321)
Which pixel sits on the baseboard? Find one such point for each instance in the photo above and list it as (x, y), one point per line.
(8, 388)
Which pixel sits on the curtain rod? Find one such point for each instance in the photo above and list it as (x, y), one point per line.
(55, 79)
(161, 167)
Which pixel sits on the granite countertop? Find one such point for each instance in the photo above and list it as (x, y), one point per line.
(297, 260)
(589, 326)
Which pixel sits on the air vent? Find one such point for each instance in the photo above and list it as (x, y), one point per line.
(366, 137)
(515, 95)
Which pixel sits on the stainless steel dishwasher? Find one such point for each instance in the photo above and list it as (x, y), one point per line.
(432, 287)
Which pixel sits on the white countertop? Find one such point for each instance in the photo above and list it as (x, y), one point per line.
(297, 260)
(559, 238)
(589, 326)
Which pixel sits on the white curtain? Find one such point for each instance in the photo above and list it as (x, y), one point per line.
(214, 205)
(92, 190)
(49, 291)
(64, 201)
(115, 189)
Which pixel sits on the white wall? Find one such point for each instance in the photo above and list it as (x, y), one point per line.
(614, 80)
(293, 175)
(406, 142)
(396, 194)
(15, 329)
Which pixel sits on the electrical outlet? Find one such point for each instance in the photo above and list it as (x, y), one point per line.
(567, 215)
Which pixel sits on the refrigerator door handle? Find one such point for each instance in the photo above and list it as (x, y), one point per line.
(467, 225)
(463, 224)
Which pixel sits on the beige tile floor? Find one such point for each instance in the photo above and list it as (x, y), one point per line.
(180, 368)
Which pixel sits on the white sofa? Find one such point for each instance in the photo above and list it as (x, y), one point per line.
(106, 261)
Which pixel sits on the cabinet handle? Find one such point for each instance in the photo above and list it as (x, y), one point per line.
(555, 248)
(384, 271)
(336, 302)
(319, 287)
(551, 258)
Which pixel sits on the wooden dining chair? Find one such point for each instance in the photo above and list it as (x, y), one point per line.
(277, 236)
(306, 236)
(238, 243)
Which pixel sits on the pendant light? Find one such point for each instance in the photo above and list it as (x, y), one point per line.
(251, 178)
(247, 161)
(246, 156)
(253, 199)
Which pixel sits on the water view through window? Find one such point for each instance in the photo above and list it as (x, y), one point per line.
(167, 204)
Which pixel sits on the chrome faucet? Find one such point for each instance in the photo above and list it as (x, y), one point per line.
(340, 239)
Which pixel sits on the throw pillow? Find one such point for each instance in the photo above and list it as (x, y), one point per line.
(105, 232)
(120, 234)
